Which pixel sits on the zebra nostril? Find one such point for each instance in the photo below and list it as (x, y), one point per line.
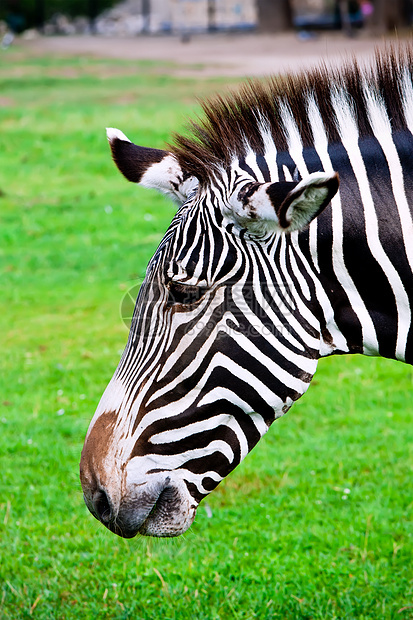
(102, 506)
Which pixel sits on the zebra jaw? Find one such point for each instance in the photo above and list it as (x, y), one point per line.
(284, 205)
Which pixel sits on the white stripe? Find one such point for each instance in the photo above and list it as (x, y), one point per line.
(301, 281)
(174, 461)
(186, 342)
(406, 88)
(339, 342)
(259, 421)
(295, 150)
(299, 360)
(222, 259)
(219, 361)
(270, 151)
(177, 434)
(340, 269)
(277, 371)
(251, 161)
(350, 136)
(294, 142)
(219, 393)
(287, 174)
(196, 479)
(381, 126)
(223, 393)
(303, 309)
(111, 400)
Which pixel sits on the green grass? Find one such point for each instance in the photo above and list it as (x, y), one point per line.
(285, 539)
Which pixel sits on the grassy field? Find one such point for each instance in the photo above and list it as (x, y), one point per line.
(317, 523)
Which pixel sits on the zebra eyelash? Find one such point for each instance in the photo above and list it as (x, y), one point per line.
(184, 294)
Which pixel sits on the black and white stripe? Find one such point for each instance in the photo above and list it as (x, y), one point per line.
(235, 312)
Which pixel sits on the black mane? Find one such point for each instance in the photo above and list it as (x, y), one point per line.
(234, 121)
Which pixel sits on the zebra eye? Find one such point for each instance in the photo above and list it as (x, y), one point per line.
(184, 294)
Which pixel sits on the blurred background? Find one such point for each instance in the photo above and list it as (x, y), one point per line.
(317, 522)
(132, 17)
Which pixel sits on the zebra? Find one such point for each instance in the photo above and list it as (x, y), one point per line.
(292, 241)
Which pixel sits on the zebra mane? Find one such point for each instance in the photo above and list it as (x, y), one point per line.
(253, 116)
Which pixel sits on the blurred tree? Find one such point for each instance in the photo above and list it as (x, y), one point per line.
(36, 11)
(39, 13)
(14, 16)
(274, 15)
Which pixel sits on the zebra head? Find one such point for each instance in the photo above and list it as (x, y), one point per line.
(221, 343)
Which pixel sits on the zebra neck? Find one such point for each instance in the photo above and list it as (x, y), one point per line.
(361, 253)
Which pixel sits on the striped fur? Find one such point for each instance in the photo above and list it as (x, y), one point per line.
(233, 317)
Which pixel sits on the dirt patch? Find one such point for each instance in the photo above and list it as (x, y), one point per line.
(5, 102)
(218, 54)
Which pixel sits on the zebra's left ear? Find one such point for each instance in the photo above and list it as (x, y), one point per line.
(151, 168)
(284, 205)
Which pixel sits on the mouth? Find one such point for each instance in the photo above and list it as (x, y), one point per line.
(157, 507)
(159, 511)
(164, 519)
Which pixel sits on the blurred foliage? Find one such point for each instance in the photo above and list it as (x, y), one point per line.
(34, 12)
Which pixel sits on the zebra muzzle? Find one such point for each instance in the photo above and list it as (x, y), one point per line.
(160, 509)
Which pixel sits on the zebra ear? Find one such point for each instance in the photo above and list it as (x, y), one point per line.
(306, 200)
(284, 205)
(152, 168)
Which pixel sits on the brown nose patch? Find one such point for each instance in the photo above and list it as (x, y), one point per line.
(96, 448)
